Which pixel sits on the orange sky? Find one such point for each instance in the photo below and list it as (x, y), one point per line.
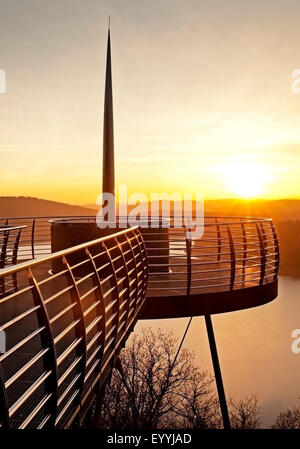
(202, 93)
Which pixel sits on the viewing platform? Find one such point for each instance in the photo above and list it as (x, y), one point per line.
(233, 266)
(67, 315)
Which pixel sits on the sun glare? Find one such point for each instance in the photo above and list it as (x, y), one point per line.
(246, 180)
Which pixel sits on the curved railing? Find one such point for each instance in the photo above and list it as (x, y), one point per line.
(232, 253)
(35, 240)
(9, 245)
(68, 314)
(64, 325)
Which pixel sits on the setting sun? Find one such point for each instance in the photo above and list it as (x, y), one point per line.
(247, 180)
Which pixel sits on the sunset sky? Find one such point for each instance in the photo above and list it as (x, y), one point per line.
(202, 97)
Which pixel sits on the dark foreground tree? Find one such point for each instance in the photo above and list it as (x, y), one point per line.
(153, 390)
(290, 419)
(245, 414)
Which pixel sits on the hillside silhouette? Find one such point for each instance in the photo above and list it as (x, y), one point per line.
(285, 213)
(21, 206)
(278, 210)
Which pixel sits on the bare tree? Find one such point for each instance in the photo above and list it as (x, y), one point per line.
(290, 419)
(153, 390)
(197, 406)
(245, 413)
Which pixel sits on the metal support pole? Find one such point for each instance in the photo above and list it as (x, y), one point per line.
(217, 370)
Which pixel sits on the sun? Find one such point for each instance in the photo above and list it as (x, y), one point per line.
(245, 179)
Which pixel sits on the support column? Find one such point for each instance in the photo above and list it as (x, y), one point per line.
(217, 371)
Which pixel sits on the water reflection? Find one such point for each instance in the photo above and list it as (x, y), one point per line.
(254, 349)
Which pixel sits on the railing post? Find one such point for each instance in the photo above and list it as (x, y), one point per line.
(47, 342)
(15, 258)
(16, 247)
(128, 296)
(219, 240)
(4, 248)
(135, 270)
(117, 295)
(189, 260)
(277, 253)
(101, 306)
(2, 261)
(262, 255)
(142, 248)
(245, 248)
(232, 258)
(32, 237)
(78, 315)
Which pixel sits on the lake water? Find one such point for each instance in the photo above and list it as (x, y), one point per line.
(254, 349)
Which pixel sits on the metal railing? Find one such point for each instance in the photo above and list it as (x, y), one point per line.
(233, 253)
(64, 325)
(9, 245)
(35, 239)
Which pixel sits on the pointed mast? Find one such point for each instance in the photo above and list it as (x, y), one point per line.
(108, 176)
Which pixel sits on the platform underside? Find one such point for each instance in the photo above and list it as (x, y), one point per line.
(160, 307)
(210, 289)
(169, 299)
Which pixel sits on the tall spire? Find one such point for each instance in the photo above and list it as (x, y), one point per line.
(108, 176)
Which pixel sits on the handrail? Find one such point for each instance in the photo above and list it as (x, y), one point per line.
(162, 219)
(79, 217)
(4, 228)
(65, 326)
(9, 245)
(176, 264)
(64, 252)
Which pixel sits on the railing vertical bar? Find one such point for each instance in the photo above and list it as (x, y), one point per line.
(101, 306)
(219, 240)
(15, 257)
(265, 243)
(128, 296)
(80, 329)
(2, 261)
(232, 258)
(47, 342)
(245, 248)
(117, 294)
(4, 248)
(32, 237)
(277, 256)
(189, 260)
(142, 247)
(262, 255)
(135, 270)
